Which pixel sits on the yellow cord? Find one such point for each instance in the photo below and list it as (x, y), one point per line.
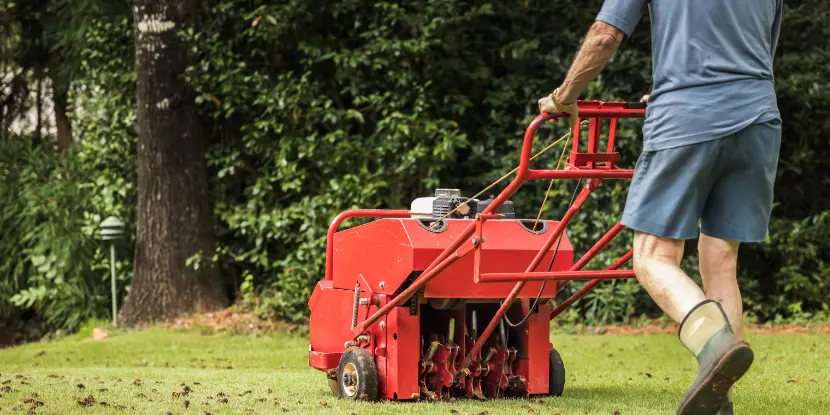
(567, 135)
(550, 185)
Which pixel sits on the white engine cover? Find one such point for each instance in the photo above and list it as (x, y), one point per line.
(422, 207)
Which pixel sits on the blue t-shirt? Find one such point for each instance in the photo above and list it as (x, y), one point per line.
(711, 65)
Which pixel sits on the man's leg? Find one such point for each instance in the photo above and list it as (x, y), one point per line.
(705, 329)
(719, 269)
(664, 205)
(737, 209)
(657, 266)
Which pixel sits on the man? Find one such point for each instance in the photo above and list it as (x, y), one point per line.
(711, 139)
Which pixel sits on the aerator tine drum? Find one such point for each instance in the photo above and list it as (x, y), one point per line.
(451, 298)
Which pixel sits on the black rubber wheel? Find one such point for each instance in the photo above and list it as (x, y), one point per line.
(333, 386)
(357, 376)
(556, 379)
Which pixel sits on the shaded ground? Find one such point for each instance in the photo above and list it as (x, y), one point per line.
(19, 328)
(190, 371)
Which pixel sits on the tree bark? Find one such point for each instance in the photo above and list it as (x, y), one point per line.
(174, 219)
(39, 109)
(62, 123)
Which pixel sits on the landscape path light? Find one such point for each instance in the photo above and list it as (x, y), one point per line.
(112, 229)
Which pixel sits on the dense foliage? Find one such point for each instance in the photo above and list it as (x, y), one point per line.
(52, 203)
(319, 106)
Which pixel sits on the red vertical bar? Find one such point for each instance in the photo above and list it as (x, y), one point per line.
(593, 135)
(593, 139)
(538, 348)
(575, 130)
(403, 344)
(612, 134)
(477, 255)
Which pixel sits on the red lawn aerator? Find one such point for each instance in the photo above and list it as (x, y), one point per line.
(405, 312)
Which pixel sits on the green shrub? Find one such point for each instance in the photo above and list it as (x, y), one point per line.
(51, 203)
(58, 265)
(318, 106)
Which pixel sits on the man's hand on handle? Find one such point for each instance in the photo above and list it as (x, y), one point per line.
(551, 105)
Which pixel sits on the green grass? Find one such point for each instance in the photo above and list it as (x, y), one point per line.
(635, 374)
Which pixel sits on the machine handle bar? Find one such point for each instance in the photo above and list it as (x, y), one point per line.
(587, 109)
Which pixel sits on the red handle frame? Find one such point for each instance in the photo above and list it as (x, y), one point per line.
(593, 110)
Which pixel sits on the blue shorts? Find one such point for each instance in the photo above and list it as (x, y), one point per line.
(725, 184)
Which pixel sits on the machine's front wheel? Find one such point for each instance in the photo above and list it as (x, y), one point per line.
(334, 386)
(357, 376)
(556, 379)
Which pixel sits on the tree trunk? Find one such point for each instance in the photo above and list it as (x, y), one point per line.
(174, 219)
(39, 108)
(62, 123)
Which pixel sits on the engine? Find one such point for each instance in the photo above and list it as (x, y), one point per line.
(450, 200)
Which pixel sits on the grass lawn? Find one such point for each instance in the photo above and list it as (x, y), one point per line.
(148, 371)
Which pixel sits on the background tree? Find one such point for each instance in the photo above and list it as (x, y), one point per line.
(43, 41)
(174, 220)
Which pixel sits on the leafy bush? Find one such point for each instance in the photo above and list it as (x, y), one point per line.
(319, 106)
(60, 267)
(51, 204)
(314, 116)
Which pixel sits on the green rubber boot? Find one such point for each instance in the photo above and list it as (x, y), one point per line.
(722, 356)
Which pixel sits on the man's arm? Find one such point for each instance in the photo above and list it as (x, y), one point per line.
(597, 49)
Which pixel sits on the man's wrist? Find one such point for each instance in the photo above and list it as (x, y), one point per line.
(561, 97)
